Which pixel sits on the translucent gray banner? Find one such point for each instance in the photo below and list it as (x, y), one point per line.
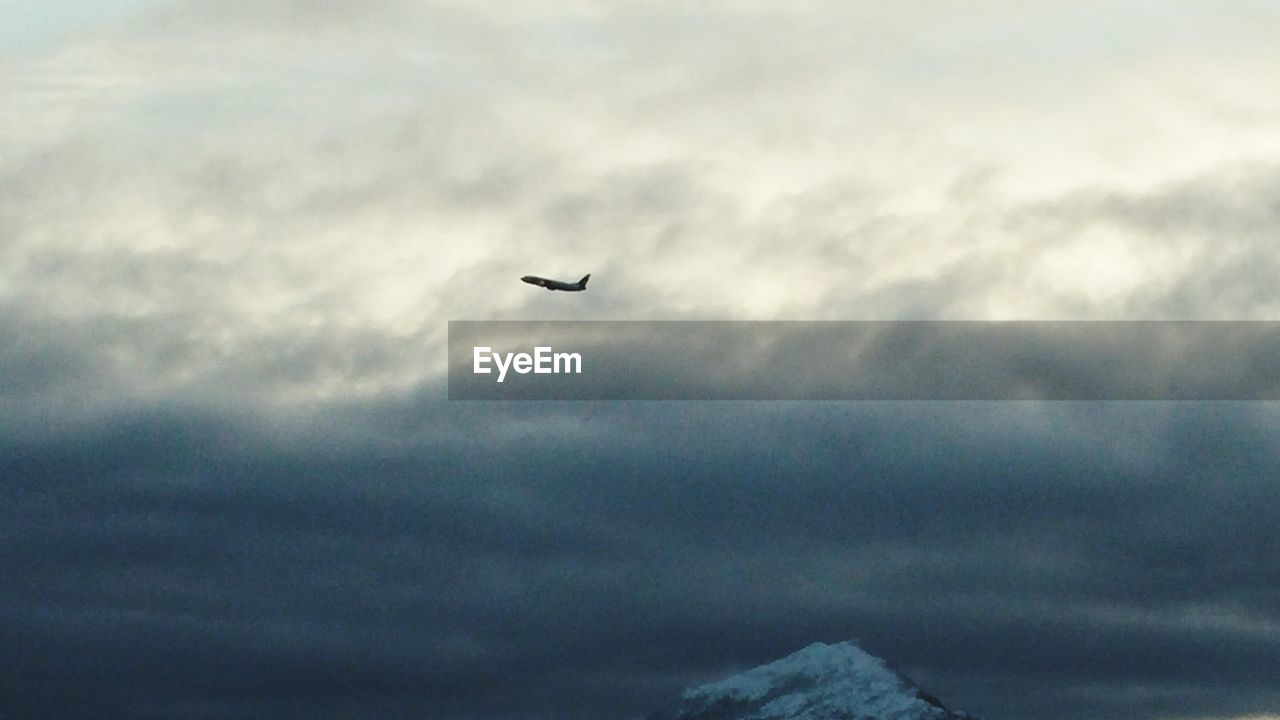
(908, 360)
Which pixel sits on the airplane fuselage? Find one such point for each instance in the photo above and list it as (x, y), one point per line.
(556, 284)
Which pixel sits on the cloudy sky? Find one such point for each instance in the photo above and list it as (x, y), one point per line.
(232, 233)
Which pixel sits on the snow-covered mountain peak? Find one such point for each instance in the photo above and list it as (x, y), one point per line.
(820, 682)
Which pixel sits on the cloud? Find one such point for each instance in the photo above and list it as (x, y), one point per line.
(541, 562)
(233, 233)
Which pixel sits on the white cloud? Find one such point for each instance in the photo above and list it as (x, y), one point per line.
(247, 181)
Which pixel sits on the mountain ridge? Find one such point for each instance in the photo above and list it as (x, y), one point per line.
(820, 682)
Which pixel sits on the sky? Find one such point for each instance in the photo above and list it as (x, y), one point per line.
(232, 234)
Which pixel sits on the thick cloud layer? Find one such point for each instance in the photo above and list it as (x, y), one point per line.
(1109, 560)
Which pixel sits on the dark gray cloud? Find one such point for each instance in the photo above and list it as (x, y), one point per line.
(416, 558)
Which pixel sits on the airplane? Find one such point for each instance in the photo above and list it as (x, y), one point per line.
(556, 284)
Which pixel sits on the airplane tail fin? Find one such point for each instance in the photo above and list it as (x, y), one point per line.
(583, 282)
